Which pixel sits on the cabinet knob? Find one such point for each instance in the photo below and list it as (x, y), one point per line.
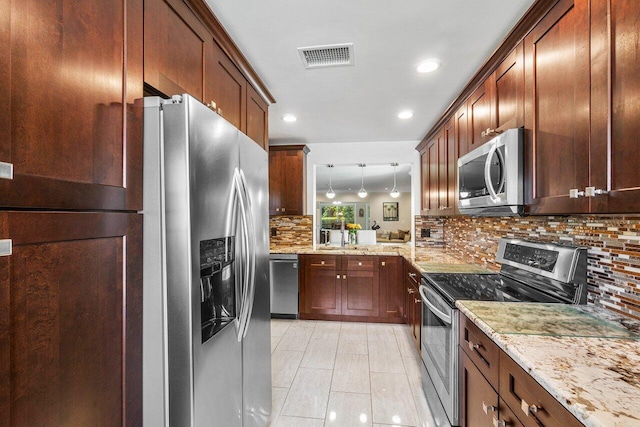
(344, 276)
(412, 275)
(488, 408)
(337, 276)
(474, 347)
(282, 209)
(410, 291)
(6, 247)
(529, 409)
(359, 264)
(417, 300)
(6, 170)
(383, 263)
(593, 192)
(322, 262)
(574, 193)
(499, 423)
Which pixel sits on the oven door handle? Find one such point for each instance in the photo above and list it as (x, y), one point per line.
(425, 299)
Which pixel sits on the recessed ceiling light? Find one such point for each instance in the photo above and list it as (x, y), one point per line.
(289, 118)
(428, 65)
(407, 114)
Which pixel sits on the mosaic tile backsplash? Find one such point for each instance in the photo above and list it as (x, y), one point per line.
(291, 231)
(613, 257)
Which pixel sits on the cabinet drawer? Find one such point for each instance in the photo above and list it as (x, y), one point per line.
(321, 261)
(480, 349)
(355, 263)
(413, 276)
(520, 392)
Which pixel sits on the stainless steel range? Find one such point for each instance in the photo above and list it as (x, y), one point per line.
(530, 272)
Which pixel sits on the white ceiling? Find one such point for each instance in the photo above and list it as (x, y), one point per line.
(361, 102)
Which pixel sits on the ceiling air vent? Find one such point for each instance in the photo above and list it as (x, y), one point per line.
(335, 55)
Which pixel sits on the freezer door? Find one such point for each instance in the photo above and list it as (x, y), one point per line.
(256, 353)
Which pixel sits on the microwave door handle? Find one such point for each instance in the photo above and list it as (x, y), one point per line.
(442, 316)
(503, 176)
(487, 173)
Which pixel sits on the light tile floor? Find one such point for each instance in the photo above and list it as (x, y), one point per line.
(345, 374)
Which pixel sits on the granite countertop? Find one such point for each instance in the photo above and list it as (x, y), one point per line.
(587, 357)
(425, 260)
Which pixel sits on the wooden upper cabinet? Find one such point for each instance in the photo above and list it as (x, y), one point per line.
(479, 107)
(70, 126)
(615, 91)
(557, 82)
(174, 48)
(287, 179)
(439, 165)
(460, 118)
(71, 319)
(507, 87)
(257, 118)
(227, 87)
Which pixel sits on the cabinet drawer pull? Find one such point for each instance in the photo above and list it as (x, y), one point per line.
(6, 170)
(488, 408)
(474, 347)
(282, 209)
(417, 300)
(593, 192)
(574, 193)
(410, 291)
(344, 276)
(359, 264)
(499, 423)
(337, 276)
(321, 262)
(529, 409)
(6, 247)
(412, 275)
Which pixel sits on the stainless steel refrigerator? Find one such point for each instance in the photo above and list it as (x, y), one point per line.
(206, 333)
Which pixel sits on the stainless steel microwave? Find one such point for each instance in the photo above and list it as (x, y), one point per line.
(491, 177)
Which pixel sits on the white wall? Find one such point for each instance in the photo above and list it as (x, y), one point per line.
(365, 152)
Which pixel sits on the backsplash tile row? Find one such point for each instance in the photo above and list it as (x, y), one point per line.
(291, 231)
(613, 258)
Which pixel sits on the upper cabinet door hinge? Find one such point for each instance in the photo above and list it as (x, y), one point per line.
(6, 170)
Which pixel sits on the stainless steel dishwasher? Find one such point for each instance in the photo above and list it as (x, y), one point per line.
(284, 285)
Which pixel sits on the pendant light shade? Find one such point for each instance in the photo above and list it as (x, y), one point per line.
(330, 194)
(394, 191)
(362, 193)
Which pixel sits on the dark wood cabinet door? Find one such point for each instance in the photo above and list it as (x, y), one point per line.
(448, 177)
(286, 179)
(424, 181)
(478, 400)
(506, 416)
(508, 92)
(557, 109)
(479, 117)
(71, 319)
(360, 293)
(417, 317)
(321, 288)
(615, 90)
(257, 118)
(431, 176)
(460, 118)
(275, 181)
(174, 48)
(293, 182)
(226, 86)
(391, 286)
(70, 126)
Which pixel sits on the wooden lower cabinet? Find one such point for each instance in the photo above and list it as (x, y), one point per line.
(71, 319)
(413, 303)
(350, 288)
(494, 390)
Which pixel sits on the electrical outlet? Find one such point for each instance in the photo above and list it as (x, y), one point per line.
(425, 232)
(274, 231)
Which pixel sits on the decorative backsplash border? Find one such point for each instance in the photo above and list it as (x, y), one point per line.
(613, 272)
(286, 231)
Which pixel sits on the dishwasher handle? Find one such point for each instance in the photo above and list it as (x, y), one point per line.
(288, 261)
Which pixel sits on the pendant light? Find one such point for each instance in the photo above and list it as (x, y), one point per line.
(394, 191)
(330, 194)
(362, 193)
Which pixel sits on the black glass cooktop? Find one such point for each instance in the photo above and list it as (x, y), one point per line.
(484, 287)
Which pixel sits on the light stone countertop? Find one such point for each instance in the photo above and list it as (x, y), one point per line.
(425, 260)
(576, 353)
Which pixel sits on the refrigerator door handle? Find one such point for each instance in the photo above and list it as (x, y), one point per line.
(251, 254)
(244, 249)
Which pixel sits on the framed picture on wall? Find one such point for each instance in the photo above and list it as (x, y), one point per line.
(389, 211)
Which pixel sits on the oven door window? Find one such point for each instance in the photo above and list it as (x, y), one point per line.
(217, 285)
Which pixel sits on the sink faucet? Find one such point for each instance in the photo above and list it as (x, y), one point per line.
(342, 242)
